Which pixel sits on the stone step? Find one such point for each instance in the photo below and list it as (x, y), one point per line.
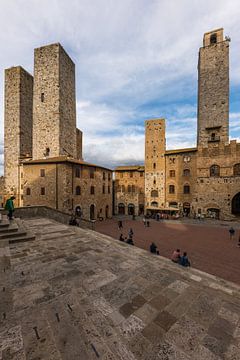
(13, 235)
(4, 224)
(23, 238)
(8, 230)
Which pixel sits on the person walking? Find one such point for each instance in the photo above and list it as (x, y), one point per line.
(10, 207)
(144, 221)
(120, 224)
(130, 233)
(231, 232)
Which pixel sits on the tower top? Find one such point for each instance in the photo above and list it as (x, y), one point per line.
(213, 37)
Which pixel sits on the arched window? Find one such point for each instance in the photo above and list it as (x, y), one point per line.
(92, 190)
(215, 170)
(171, 189)
(123, 188)
(154, 193)
(236, 170)
(78, 190)
(154, 203)
(186, 189)
(129, 188)
(213, 39)
(186, 172)
(28, 191)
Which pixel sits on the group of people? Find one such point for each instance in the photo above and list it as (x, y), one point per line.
(129, 239)
(180, 259)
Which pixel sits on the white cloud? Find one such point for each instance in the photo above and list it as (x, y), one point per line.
(135, 59)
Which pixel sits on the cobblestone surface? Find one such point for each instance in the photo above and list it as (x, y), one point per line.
(85, 296)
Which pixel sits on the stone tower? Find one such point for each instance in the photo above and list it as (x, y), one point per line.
(17, 126)
(155, 163)
(54, 103)
(213, 89)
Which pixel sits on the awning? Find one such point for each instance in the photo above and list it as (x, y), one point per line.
(162, 208)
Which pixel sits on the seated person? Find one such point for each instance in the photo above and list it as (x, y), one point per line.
(184, 260)
(153, 248)
(130, 241)
(176, 256)
(121, 238)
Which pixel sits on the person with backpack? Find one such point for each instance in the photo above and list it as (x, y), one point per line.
(9, 206)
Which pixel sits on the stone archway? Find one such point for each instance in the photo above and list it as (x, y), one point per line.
(236, 205)
(92, 212)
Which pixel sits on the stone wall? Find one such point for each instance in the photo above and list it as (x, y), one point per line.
(129, 190)
(213, 89)
(155, 163)
(17, 126)
(54, 104)
(79, 136)
(60, 183)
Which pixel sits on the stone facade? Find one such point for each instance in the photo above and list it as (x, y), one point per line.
(54, 103)
(203, 180)
(68, 185)
(129, 190)
(155, 162)
(43, 147)
(17, 126)
(213, 89)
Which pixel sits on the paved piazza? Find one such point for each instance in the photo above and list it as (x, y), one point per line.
(76, 294)
(207, 243)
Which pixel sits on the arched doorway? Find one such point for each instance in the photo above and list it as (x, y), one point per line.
(213, 213)
(92, 212)
(78, 211)
(154, 204)
(121, 209)
(141, 209)
(236, 204)
(131, 209)
(186, 208)
(106, 212)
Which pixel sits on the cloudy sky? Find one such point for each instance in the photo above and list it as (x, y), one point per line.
(135, 60)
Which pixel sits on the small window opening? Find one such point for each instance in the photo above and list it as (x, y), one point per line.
(213, 39)
(42, 97)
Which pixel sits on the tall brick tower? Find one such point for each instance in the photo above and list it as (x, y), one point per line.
(213, 89)
(17, 126)
(154, 163)
(54, 103)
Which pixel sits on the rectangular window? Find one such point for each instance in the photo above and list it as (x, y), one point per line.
(42, 172)
(91, 173)
(103, 189)
(109, 190)
(42, 191)
(42, 97)
(109, 176)
(92, 190)
(104, 176)
(172, 173)
(77, 172)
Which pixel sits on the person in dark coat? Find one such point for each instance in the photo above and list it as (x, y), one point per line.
(184, 260)
(153, 248)
(10, 207)
(121, 238)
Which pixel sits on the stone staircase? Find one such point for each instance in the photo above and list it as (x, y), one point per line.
(13, 232)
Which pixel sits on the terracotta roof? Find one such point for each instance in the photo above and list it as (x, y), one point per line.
(178, 151)
(61, 159)
(130, 168)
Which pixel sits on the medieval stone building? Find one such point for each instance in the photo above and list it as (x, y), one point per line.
(43, 148)
(202, 180)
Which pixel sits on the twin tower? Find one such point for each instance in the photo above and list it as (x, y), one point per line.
(40, 112)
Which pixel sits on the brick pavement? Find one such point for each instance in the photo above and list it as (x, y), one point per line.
(209, 247)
